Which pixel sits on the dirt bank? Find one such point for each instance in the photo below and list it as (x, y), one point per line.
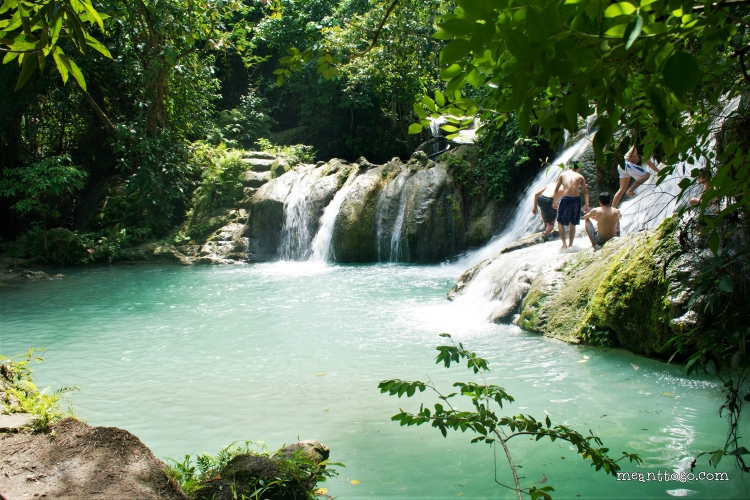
(76, 461)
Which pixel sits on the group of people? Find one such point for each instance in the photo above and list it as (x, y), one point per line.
(560, 201)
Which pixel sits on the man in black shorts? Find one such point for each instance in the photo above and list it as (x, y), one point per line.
(544, 199)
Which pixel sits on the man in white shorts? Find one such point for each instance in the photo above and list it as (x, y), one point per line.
(632, 169)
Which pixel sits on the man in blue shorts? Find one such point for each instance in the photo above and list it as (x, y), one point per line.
(632, 169)
(569, 206)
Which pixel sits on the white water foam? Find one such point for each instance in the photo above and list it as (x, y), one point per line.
(322, 248)
(295, 235)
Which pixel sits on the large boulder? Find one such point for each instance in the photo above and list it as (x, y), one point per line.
(409, 212)
(307, 189)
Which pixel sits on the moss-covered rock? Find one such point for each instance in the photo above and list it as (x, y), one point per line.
(624, 289)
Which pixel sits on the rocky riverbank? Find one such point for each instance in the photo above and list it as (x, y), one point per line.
(73, 461)
(631, 293)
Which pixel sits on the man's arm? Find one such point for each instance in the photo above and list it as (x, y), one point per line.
(591, 214)
(585, 194)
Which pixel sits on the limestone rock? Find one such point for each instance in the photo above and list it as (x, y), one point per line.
(13, 422)
(255, 179)
(259, 164)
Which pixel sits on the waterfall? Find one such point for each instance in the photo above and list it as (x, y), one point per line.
(524, 222)
(395, 249)
(385, 226)
(295, 234)
(653, 203)
(495, 289)
(322, 248)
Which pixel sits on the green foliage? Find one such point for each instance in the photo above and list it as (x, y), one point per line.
(19, 394)
(295, 476)
(31, 30)
(242, 126)
(40, 186)
(295, 154)
(62, 247)
(220, 179)
(484, 422)
(506, 158)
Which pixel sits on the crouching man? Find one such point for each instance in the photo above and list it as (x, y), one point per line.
(602, 223)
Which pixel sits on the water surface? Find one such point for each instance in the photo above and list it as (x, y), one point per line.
(191, 359)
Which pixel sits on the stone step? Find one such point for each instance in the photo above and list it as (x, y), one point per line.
(255, 179)
(258, 155)
(259, 164)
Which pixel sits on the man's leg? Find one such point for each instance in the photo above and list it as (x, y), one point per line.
(644, 178)
(624, 181)
(590, 232)
(561, 228)
(572, 234)
(549, 228)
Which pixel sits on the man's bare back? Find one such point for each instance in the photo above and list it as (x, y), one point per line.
(549, 191)
(571, 181)
(606, 220)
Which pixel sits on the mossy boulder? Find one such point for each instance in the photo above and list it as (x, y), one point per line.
(354, 235)
(626, 292)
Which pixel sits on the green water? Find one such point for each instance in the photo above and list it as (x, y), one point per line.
(191, 359)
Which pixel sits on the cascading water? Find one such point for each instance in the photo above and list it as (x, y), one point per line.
(322, 249)
(496, 286)
(653, 203)
(524, 222)
(384, 225)
(295, 235)
(488, 294)
(395, 248)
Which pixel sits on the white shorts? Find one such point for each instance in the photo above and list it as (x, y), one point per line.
(631, 170)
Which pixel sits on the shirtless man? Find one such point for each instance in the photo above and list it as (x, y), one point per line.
(569, 210)
(544, 199)
(632, 169)
(602, 224)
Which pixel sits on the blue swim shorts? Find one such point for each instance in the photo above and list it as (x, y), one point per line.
(569, 210)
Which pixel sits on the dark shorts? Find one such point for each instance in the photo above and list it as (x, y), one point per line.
(569, 210)
(549, 214)
(599, 240)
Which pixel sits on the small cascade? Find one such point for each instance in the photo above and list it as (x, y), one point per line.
(295, 235)
(653, 203)
(395, 248)
(322, 249)
(524, 222)
(384, 223)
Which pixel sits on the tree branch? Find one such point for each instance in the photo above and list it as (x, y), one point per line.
(380, 29)
(512, 465)
(102, 116)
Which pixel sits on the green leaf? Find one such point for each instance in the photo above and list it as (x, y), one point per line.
(419, 110)
(725, 284)
(458, 27)
(415, 128)
(74, 70)
(633, 31)
(619, 9)
(439, 98)
(517, 44)
(474, 78)
(451, 72)
(681, 73)
(454, 51)
(713, 242)
(98, 46)
(29, 65)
